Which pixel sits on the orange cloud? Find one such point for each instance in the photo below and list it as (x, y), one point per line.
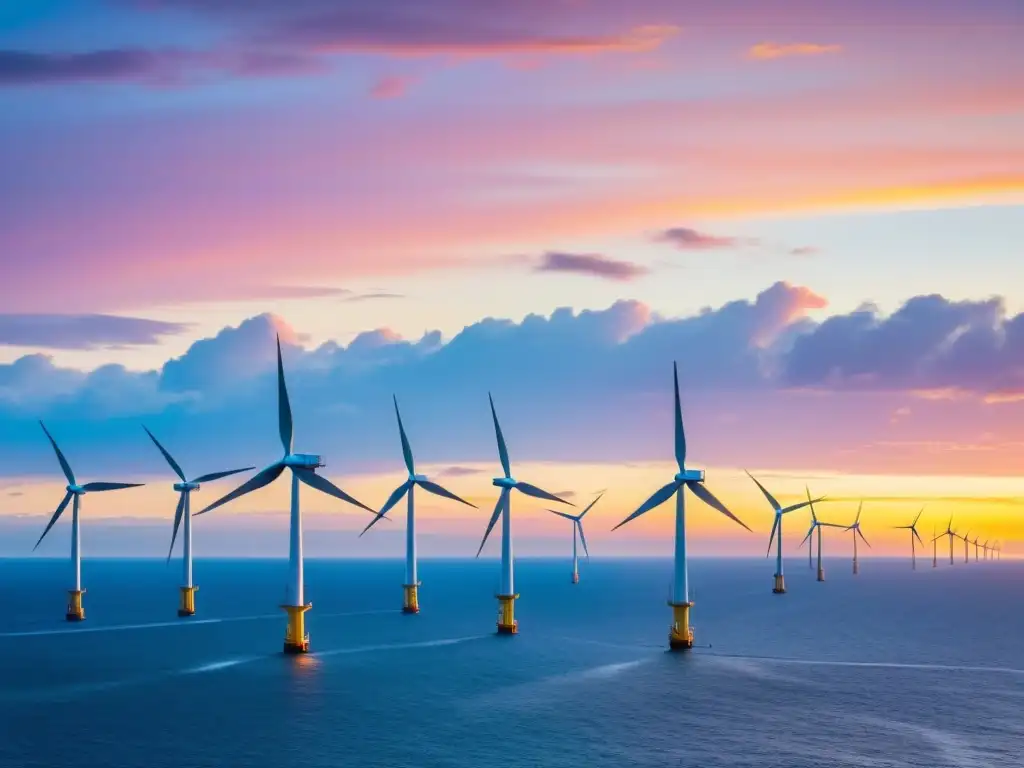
(769, 50)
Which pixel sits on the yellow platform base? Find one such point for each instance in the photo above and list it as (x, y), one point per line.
(507, 624)
(821, 574)
(75, 610)
(295, 638)
(680, 634)
(780, 584)
(187, 604)
(575, 578)
(411, 602)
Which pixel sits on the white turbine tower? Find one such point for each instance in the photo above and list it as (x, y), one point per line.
(303, 467)
(855, 528)
(817, 525)
(577, 527)
(779, 587)
(75, 611)
(187, 604)
(507, 624)
(681, 633)
(913, 535)
(411, 603)
(950, 533)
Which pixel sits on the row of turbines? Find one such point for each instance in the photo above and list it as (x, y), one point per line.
(303, 468)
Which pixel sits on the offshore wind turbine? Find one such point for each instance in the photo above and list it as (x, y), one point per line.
(681, 633)
(935, 549)
(913, 534)
(187, 603)
(950, 533)
(507, 624)
(74, 493)
(855, 528)
(303, 467)
(977, 546)
(967, 545)
(577, 527)
(779, 587)
(817, 525)
(411, 601)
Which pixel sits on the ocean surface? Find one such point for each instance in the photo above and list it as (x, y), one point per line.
(888, 668)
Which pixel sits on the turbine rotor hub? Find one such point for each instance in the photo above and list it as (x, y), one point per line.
(75, 489)
(302, 461)
(687, 475)
(417, 478)
(188, 486)
(504, 482)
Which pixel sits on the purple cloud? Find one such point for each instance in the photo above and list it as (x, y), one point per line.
(593, 264)
(688, 239)
(460, 472)
(82, 331)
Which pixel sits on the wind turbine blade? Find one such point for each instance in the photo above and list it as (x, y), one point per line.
(284, 407)
(566, 515)
(537, 493)
(406, 448)
(167, 456)
(583, 539)
(814, 517)
(859, 508)
(95, 487)
(804, 541)
(591, 504)
(918, 536)
(218, 475)
(502, 450)
(657, 498)
(918, 516)
(680, 434)
(437, 490)
(708, 498)
(862, 537)
(394, 498)
(321, 483)
(60, 456)
(771, 499)
(260, 479)
(801, 505)
(771, 537)
(494, 518)
(60, 509)
(177, 521)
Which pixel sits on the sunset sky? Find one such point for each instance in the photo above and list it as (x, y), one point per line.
(816, 208)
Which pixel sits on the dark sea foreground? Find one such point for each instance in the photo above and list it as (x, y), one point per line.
(889, 668)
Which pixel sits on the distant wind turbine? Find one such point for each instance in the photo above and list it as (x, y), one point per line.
(75, 611)
(967, 546)
(977, 547)
(303, 467)
(855, 528)
(950, 533)
(507, 624)
(935, 549)
(411, 601)
(187, 604)
(913, 534)
(779, 587)
(681, 633)
(817, 525)
(577, 527)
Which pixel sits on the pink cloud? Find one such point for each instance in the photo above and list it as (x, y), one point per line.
(769, 50)
(391, 87)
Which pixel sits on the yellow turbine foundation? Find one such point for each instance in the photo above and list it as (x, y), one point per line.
(411, 604)
(575, 577)
(295, 638)
(680, 636)
(187, 604)
(507, 624)
(821, 574)
(75, 610)
(780, 584)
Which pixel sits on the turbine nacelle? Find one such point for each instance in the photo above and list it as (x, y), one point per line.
(504, 482)
(182, 487)
(302, 461)
(417, 478)
(75, 489)
(688, 475)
